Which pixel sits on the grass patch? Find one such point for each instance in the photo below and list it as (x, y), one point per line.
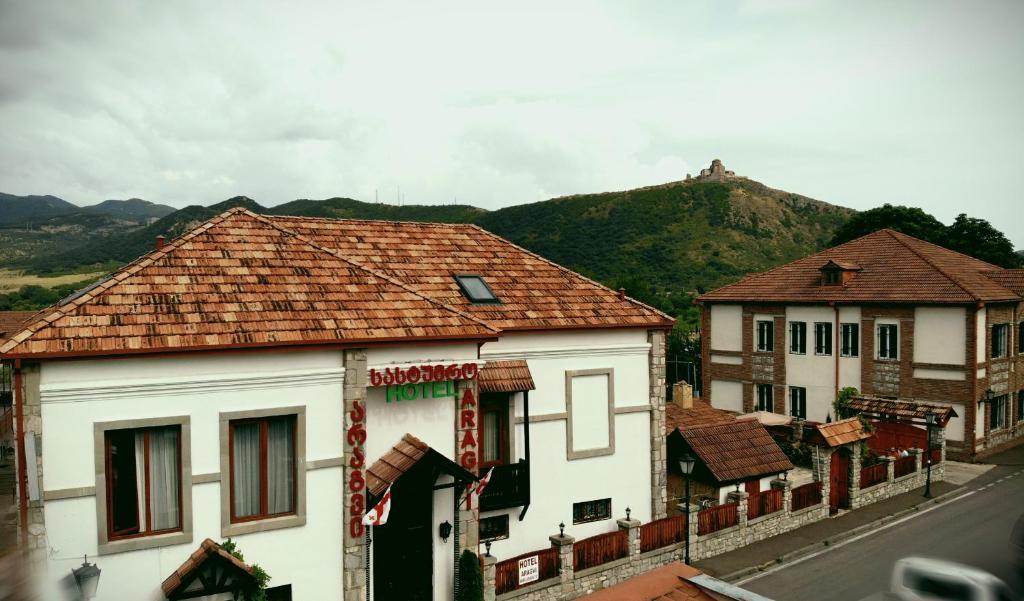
(11, 280)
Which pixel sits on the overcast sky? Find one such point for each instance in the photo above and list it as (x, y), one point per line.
(854, 103)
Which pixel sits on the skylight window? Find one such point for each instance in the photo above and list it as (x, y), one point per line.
(476, 289)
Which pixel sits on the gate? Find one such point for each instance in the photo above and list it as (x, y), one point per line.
(839, 495)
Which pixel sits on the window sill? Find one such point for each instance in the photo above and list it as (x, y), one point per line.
(850, 356)
(144, 542)
(250, 527)
(887, 359)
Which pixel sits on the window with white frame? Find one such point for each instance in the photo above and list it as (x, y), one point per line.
(1000, 340)
(850, 340)
(887, 341)
(823, 338)
(765, 398)
(997, 415)
(798, 337)
(765, 336)
(798, 401)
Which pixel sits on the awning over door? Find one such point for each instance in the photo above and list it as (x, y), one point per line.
(409, 452)
(208, 571)
(899, 410)
(505, 376)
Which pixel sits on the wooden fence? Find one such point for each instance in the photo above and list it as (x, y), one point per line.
(507, 572)
(806, 496)
(904, 466)
(876, 474)
(599, 549)
(717, 518)
(936, 457)
(763, 503)
(661, 533)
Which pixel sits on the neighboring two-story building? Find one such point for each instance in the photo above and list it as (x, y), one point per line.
(268, 379)
(888, 314)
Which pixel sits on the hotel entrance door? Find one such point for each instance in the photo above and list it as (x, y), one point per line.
(403, 548)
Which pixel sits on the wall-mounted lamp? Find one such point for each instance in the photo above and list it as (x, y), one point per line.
(627, 512)
(444, 530)
(487, 547)
(561, 529)
(87, 577)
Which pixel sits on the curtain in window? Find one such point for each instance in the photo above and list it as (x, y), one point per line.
(491, 436)
(280, 465)
(163, 478)
(140, 477)
(246, 469)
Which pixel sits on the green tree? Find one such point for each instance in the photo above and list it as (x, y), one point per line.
(842, 403)
(909, 220)
(977, 237)
(471, 582)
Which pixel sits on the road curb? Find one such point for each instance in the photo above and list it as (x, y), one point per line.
(838, 538)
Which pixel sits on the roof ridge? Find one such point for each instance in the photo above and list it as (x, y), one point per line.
(940, 247)
(337, 254)
(47, 316)
(892, 234)
(349, 219)
(567, 270)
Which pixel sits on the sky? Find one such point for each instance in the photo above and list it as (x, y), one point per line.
(496, 104)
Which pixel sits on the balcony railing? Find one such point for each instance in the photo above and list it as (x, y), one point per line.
(509, 487)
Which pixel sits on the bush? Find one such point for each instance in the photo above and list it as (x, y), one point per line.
(471, 582)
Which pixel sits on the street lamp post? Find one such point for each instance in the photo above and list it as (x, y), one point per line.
(930, 419)
(686, 467)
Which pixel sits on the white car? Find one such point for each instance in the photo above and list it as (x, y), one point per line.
(925, 579)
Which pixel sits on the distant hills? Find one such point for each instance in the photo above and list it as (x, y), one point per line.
(663, 243)
(26, 210)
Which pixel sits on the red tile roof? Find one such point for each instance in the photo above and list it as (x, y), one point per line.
(403, 457)
(534, 292)
(902, 410)
(841, 432)
(736, 450)
(505, 376)
(243, 279)
(206, 550)
(699, 415)
(1012, 279)
(12, 321)
(240, 280)
(667, 583)
(894, 268)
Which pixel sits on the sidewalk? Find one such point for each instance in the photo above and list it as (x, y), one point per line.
(751, 558)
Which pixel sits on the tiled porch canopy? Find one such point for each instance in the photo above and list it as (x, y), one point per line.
(505, 376)
(904, 411)
(402, 457)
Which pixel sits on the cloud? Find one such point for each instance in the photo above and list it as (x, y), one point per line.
(857, 104)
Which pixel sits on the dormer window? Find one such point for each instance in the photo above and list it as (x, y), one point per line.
(837, 273)
(476, 289)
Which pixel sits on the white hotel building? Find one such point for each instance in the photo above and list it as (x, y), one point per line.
(260, 377)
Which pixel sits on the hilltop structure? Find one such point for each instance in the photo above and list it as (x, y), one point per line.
(715, 173)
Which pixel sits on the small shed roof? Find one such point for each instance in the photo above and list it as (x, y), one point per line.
(841, 432)
(180, 583)
(403, 457)
(736, 450)
(698, 415)
(902, 410)
(768, 418)
(505, 376)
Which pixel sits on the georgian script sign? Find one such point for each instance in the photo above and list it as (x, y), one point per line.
(356, 438)
(529, 569)
(423, 373)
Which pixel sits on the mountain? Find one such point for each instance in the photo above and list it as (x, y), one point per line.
(133, 208)
(347, 208)
(28, 209)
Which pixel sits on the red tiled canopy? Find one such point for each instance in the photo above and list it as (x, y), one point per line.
(179, 581)
(403, 457)
(505, 376)
(841, 432)
(736, 450)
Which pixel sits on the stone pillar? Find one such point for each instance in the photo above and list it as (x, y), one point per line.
(919, 459)
(566, 568)
(490, 577)
(353, 435)
(787, 493)
(740, 498)
(693, 526)
(854, 474)
(632, 526)
(467, 405)
(38, 546)
(821, 464)
(659, 475)
(939, 440)
(890, 468)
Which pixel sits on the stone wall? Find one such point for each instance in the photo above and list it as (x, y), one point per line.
(659, 455)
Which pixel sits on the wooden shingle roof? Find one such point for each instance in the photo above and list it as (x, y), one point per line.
(736, 450)
(240, 280)
(893, 268)
(699, 415)
(841, 432)
(207, 550)
(505, 376)
(403, 457)
(902, 410)
(12, 321)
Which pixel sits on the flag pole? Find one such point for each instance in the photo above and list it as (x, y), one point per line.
(368, 541)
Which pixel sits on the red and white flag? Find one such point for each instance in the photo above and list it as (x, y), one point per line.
(378, 516)
(477, 489)
(484, 482)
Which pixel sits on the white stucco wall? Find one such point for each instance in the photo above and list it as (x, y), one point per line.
(981, 338)
(940, 335)
(727, 395)
(816, 373)
(849, 367)
(76, 394)
(726, 327)
(556, 482)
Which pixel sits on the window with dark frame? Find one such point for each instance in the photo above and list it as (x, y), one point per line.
(591, 511)
(493, 429)
(798, 401)
(798, 337)
(1000, 340)
(262, 458)
(765, 397)
(494, 528)
(888, 341)
(143, 474)
(475, 288)
(765, 336)
(1020, 406)
(823, 338)
(997, 415)
(832, 277)
(1020, 338)
(279, 593)
(850, 341)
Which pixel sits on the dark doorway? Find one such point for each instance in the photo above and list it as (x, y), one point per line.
(839, 494)
(403, 548)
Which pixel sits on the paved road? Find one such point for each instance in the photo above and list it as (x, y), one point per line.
(974, 530)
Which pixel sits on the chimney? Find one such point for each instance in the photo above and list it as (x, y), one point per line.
(682, 395)
(160, 242)
(622, 294)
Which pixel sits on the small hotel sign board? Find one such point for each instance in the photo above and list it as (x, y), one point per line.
(529, 569)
